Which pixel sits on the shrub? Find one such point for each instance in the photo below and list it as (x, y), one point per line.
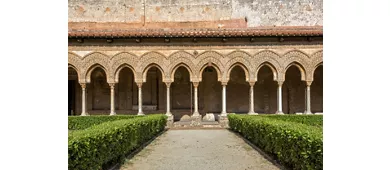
(295, 145)
(95, 146)
(83, 122)
(312, 120)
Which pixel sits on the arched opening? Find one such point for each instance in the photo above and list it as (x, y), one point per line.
(125, 92)
(293, 91)
(181, 95)
(74, 93)
(210, 92)
(153, 92)
(265, 91)
(316, 90)
(237, 92)
(98, 93)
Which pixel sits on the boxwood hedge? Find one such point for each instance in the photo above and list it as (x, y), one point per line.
(295, 145)
(312, 120)
(109, 141)
(83, 122)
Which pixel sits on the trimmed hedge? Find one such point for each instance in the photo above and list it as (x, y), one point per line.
(311, 120)
(83, 122)
(295, 145)
(111, 141)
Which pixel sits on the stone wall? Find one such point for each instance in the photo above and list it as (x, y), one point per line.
(210, 13)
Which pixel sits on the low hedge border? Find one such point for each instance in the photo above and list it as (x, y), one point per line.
(83, 122)
(311, 120)
(111, 141)
(294, 145)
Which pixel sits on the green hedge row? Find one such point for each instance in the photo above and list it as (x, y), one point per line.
(312, 120)
(111, 141)
(83, 122)
(295, 145)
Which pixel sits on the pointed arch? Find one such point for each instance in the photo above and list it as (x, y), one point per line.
(238, 64)
(91, 69)
(299, 66)
(92, 60)
(269, 65)
(146, 69)
(215, 66)
(182, 64)
(119, 69)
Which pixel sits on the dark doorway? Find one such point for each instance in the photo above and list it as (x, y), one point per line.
(71, 97)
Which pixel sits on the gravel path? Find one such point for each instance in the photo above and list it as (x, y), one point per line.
(200, 150)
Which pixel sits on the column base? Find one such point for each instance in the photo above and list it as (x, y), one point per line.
(140, 114)
(223, 114)
(169, 114)
(84, 114)
(195, 115)
(307, 113)
(279, 113)
(112, 114)
(252, 113)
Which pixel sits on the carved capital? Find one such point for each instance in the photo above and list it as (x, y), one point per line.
(280, 83)
(83, 85)
(112, 85)
(196, 84)
(139, 84)
(308, 83)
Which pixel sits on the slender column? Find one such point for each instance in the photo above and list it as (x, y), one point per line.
(280, 111)
(140, 99)
(251, 99)
(308, 110)
(112, 86)
(196, 113)
(83, 98)
(224, 99)
(168, 100)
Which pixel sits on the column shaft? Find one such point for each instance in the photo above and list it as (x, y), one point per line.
(168, 100)
(140, 99)
(83, 107)
(279, 111)
(308, 110)
(223, 100)
(196, 112)
(112, 112)
(251, 100)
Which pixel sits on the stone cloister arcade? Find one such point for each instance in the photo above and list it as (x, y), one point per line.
(195, 82)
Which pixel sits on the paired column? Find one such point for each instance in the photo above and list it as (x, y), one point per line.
(279, 97)
(251, 99)
(196, 112)
(308, 110)
(224, 99)
(83, 98)
(112, 86)
(140, 99)
(168, 100)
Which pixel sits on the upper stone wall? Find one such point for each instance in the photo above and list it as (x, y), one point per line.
(230, 13)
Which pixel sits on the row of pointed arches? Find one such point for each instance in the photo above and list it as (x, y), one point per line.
(181, 81)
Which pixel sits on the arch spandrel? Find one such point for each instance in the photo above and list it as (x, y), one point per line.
(316, 60)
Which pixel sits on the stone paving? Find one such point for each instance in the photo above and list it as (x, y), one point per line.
(198, 149)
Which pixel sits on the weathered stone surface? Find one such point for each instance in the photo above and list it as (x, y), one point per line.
(208, 117)
(212, 14)
(185, 118)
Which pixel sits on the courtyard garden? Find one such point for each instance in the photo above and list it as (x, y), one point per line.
(95, 142)
(295, 141)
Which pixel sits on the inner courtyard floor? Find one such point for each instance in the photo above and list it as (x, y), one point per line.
(198, 149)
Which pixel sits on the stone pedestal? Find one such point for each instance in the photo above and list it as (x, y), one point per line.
(209, 117)
(170, 121)
(223, 121)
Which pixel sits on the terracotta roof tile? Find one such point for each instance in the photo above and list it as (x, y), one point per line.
(229, 32)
